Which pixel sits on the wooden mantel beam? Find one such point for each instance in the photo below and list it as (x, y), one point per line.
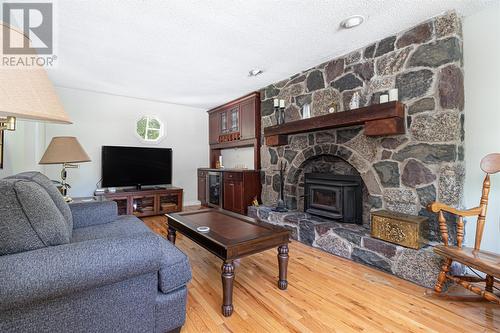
(379, 119)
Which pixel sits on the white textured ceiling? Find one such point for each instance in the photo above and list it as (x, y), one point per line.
(198, 52)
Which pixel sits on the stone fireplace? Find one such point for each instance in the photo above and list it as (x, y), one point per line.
(401, 173)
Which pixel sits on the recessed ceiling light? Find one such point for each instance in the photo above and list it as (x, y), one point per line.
(255, 72)
(352, 21)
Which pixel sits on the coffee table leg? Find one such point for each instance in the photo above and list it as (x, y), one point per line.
(171, 234)
(283, 266)
(227, 287)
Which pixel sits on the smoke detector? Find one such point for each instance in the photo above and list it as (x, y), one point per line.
(255, 72)
(352, 22)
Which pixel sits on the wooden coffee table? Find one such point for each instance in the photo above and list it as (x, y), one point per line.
(231, 236)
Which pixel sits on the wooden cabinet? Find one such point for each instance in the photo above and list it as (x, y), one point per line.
(233, 196)
(122, 204)
(147, 202)
(235, 124)
(202, 187)
(239, 190)
(233, 192)
(143, 205)
(213, 128)
(248, 120)
(168, 202)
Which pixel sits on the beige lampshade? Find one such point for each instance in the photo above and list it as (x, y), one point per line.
(64, 149)
(26, 91)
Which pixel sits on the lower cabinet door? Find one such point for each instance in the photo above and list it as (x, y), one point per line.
(233, 196)
(228, 194)
(122, 205)
(169, 202)
(239, 205)
(144, 205)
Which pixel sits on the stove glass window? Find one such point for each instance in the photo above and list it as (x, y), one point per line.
(324, 197)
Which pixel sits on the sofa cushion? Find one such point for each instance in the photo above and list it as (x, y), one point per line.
(94, 212)
(29, 219)
(123, 226)
(52, 190)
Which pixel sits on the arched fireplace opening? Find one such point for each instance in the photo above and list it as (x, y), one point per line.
(330, 187)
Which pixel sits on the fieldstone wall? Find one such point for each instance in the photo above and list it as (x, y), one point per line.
(401, 173)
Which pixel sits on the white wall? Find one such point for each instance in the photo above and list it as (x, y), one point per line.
(101, 119)
(482, 116)
(23, 148)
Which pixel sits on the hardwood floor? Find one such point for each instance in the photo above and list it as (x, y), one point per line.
(325, 294)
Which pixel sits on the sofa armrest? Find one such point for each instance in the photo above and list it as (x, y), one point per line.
(65, 269)
(175, 270)
(91, 213)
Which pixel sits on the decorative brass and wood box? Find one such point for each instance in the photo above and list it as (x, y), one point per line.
(402, 229)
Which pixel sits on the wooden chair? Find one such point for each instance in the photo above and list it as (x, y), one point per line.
(484, 261)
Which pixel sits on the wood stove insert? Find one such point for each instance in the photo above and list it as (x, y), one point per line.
(335, 197)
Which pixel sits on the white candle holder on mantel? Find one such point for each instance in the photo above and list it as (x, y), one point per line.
(306, 111)
(383, 98)
(393, 95)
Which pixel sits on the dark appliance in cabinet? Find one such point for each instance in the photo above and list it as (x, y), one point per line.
(214, 189)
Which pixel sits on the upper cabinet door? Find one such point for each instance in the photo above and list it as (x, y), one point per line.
(234, 120)
(247, 114)
(223, 122)
(213, 128)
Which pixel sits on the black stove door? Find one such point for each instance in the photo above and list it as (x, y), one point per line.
(325, 201)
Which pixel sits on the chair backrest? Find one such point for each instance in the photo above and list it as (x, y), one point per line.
(490, 164)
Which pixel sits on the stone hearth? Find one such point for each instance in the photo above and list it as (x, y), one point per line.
(354, 242)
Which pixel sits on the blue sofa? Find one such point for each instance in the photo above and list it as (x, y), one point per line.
(82, 268)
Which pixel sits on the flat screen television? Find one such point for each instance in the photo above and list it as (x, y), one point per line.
(136, 166)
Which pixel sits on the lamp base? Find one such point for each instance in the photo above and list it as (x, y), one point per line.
(64, 186)
(63, 189)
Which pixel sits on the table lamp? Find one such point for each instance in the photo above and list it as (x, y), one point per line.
(26, 91)
(65, 150)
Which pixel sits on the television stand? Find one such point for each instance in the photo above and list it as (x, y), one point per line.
(147, 201)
